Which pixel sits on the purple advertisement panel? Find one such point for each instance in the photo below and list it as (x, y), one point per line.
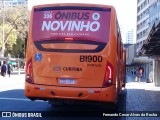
(76, 24)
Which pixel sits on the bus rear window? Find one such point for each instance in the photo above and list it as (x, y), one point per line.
(60, 23)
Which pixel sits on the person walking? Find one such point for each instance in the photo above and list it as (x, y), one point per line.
(3, 69)
(9, 69)
(139, 74)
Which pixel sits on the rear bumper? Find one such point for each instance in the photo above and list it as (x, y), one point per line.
(73, 93)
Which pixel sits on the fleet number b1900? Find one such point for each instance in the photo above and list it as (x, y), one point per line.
(89, 58)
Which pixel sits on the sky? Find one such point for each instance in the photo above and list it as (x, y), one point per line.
(126, 9)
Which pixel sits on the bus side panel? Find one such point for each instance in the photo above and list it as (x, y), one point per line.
(114, 54)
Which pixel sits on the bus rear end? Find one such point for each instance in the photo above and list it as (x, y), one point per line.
(68, 54)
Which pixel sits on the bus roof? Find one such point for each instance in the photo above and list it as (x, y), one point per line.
(74, 4)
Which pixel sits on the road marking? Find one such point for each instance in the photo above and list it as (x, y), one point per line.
(19, 99)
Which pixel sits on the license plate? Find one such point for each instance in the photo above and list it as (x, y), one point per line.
(67, 81)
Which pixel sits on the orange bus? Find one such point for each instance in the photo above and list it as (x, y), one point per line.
(74, 53)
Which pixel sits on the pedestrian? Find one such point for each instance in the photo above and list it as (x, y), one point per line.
(3, 69)
(132, 72)
(0, 65)
(9, 70)
(139, 74)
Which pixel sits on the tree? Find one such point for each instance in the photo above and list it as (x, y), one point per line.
(17, 19)
(17, 50)
(11, 39)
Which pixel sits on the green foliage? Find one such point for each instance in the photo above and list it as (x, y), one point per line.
(19, 20)
(16, 28)
(17, 50)
(11, 39)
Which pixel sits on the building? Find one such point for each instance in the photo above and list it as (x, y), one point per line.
(142, 22)
(130, 36)
(154, 12)
(143, 29)
(148, 13)
(151, 47)
(130, 53)
(13, 3)
(143, 7)
(127, 34)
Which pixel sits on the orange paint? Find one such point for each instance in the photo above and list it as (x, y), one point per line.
(72, 67)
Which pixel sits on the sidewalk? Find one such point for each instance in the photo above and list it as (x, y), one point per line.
(142, 96)
(12, 82)
(131, 78)
(132, 84)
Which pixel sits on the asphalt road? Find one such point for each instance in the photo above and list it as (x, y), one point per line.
(143, 97)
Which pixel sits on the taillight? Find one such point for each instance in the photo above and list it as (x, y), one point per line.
(29, 75)
(108, 80)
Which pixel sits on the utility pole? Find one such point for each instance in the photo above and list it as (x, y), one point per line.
(3, 23)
